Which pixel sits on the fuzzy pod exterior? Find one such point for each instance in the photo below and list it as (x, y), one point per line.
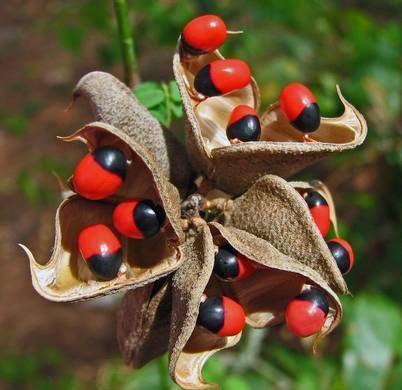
(272, 207)
(278, 281)
(114, 103)
(280, 150)
(66, 277)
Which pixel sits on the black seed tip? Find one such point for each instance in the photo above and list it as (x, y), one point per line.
(149, 217)
(211, 314)
(189, 49)
(316, 297)
(340, 255)
(106, 266)
(226, 265)
(309, 119)
(314, 199)
(246, 129)
(203, 83)
(111, 159)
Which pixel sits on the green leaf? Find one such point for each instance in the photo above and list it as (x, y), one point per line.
(373, 334)
(150, 94)
(160, 114)
(177, 110)
(174, 91)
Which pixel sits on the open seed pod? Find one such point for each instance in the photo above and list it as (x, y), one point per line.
(66, 276)
(203, 118)
(263, 296)
(144, 323)
(280, 150)
(112, 102)
(274, 210)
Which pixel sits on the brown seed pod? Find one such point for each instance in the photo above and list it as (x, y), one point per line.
(280, 151)
(144, 323)
(263, 295)
(204, 116)
(114, 103)
(66, 277)
(273, 209)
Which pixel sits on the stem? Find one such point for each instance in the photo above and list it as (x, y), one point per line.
(131, 74)
(164, 382)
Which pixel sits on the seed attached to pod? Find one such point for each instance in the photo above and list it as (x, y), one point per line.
(203, 35)
(306, 314)
(100, 174)
(101, 250)
(222, 76)
(343, 254)
(243, 124)
(231, 265)
(138, 218)
(221, 315)
(319, 210)
(300, 107)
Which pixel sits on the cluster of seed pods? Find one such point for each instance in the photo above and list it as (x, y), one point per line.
(206, 34)
(247, 247)
(98, 176)
(306, 313)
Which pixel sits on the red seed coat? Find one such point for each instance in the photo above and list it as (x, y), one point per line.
(229, 75)
(205, 33)
(234, 318)
(97, 240)
(294, 98)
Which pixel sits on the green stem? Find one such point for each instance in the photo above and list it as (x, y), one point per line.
(131, 74)
(163, 374)
(168, 108)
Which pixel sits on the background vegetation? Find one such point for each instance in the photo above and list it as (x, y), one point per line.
(48, 45)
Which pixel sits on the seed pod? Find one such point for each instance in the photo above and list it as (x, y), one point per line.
(114, 103)
(143, 322)
(100, 173)
(243, 124)
(138, 218)
(66, 276)
(271, 207)
(281, 149)
(203, 35)
(342, 253)
(278, 281)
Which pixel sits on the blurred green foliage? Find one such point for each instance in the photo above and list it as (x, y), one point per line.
(321, 43)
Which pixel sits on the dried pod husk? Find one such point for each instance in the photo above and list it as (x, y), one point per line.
(279, 278)
(263, 295)
(274, 210)
(280, 150)
(143, 323)
(66, 277)
(112, 102)
(320, 187)
(189, 346)
(204, 117)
